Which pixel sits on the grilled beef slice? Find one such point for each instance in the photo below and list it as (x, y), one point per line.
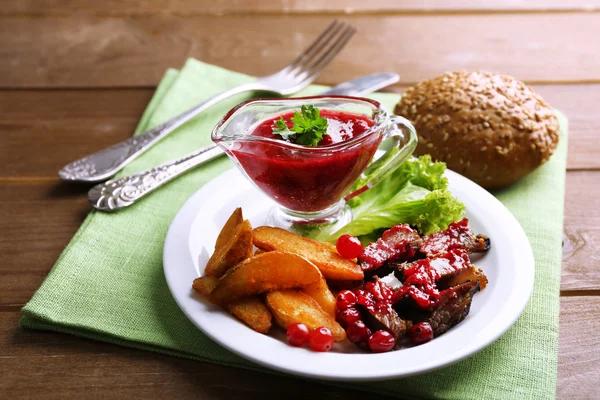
(454, 306)
(447, 265)
(458, 235)
(399, 243)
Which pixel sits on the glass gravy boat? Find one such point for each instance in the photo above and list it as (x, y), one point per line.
(309, 184)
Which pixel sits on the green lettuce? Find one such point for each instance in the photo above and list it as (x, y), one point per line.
(416, 193)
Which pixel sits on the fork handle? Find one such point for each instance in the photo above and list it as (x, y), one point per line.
(116, 194)
(105, 163)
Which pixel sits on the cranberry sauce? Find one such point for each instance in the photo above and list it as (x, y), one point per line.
(396, 244)
(457, 236)
(308, 179)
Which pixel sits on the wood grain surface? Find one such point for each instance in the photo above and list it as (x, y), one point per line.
(87, 51)
(336, 7)
(75, 77)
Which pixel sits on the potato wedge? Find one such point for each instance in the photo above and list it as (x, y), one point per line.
(253, 312)
(250, 310)
(205, 285)
(269, 271)
(322, 295)
(228, 230)
(237, 249)
(331, 264)
(290, 306)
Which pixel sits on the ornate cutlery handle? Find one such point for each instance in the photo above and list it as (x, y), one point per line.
(116, 194)
(105, 163)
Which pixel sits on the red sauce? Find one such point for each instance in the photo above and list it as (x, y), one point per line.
(395, 244)
(375, 296)
(308, 180)
(420, 284)
(457, 234)
(451, 263)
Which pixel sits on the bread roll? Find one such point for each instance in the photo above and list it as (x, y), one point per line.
(490, 128)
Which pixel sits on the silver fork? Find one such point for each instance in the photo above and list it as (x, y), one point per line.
(297, 75)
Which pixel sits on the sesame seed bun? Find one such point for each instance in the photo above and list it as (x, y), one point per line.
(490, 128)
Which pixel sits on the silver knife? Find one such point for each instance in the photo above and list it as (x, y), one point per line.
(119, 193)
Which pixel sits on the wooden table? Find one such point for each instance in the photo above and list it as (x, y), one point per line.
(76, 75)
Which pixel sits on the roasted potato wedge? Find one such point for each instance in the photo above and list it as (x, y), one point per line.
(205, 285)
(235, 250)
(253, 312)
(331, 264)
(290, 306)
(250, 309)
(228, 230)
(322, 295)
(269, 271)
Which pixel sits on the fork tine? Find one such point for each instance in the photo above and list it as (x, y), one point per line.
(313, 70)
(317, 45)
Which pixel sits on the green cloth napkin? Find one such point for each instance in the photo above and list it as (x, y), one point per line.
(108, 284)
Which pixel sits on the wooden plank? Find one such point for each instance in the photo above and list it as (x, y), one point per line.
(51, 365)
(581, 243)
(221, 7)
(55, 366)
(42, 130)
(579, 348)
(85, 51)
(39, 219)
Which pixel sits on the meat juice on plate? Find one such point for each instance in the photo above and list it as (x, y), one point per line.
(303, 181)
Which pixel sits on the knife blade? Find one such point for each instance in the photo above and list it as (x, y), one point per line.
(119, 193)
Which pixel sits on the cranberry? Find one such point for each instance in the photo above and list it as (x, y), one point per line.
(421, 333)
(297, 334)
(321, 339)
(358, 333)
(347, 316)
(345, 299)
(349, 246)
(381, 341)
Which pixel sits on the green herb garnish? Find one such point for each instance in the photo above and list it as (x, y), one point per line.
(308, 129)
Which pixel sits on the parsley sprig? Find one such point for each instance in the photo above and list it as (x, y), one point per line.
(308, 129)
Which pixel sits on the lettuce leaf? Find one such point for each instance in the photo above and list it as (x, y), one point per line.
(416, 193)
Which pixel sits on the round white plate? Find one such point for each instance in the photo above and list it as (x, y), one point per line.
(509, 267)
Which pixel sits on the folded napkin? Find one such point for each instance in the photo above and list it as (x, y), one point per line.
(108, 284)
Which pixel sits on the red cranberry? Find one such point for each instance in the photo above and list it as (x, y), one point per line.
(297, 334)
(347, 316)
(345, 299)
(321, 339)
(349, 246)
(421, 333)
(381, 341)
(358, 333)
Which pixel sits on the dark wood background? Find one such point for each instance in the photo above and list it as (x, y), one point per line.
(75, 76)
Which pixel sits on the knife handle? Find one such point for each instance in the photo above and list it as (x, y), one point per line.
(119, 193)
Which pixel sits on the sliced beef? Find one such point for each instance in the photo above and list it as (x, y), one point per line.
(399, 243)
(374, 304)
(453, 307)
(457, 236)
(446, 265)
(471, 274)
(388, 320)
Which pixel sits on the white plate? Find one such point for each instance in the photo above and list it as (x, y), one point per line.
(509, 267)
